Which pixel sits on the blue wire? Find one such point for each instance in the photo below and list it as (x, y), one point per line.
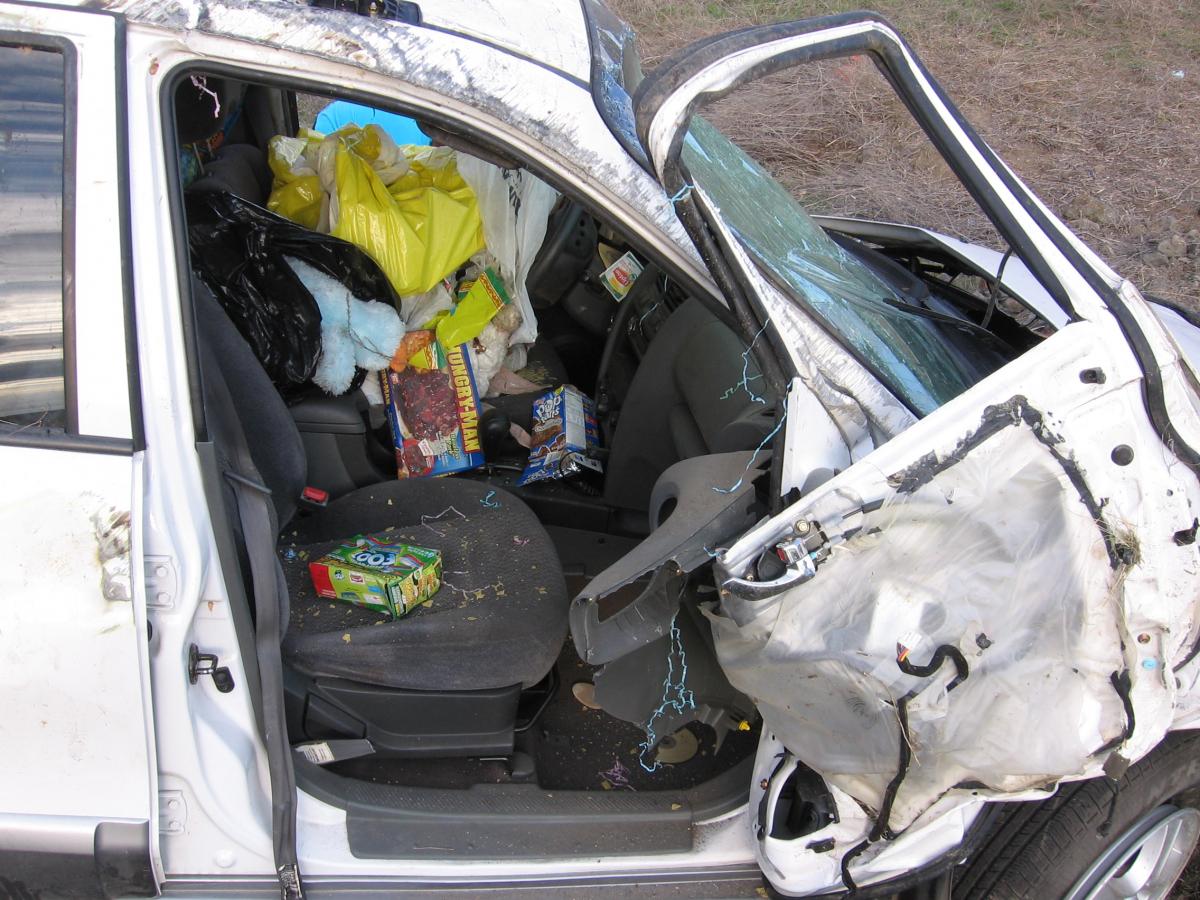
(646, 313)
(683, 698)
(681, 193)
(746, 376)
(737, 484)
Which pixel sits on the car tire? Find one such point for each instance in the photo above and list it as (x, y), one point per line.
(1045, 849)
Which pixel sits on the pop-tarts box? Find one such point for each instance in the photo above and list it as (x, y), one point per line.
(564, 429)
(434, 414)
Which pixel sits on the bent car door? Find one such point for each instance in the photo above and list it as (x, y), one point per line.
(77, 786)
(991, 587)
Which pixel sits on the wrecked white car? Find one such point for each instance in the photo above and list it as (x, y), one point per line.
(834, 552)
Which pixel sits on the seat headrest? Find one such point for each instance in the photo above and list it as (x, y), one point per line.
(201, 106)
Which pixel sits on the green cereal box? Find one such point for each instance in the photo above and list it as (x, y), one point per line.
(387, 577)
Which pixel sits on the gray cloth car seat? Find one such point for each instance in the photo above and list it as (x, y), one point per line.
(239, 169)
(687, 399)
(501, 615)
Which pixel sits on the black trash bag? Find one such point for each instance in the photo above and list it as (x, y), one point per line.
(238, 250)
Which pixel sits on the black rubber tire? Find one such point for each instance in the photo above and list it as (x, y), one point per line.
(1039, 850)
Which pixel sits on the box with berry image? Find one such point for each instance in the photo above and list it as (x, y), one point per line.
(433, 409)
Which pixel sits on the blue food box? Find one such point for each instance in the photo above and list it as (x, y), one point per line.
(434, 414)
(564, 430)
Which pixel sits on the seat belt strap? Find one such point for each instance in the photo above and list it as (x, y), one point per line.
(259, 532)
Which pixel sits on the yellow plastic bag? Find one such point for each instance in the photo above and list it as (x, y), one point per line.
(296, 193)
(407, 207)
(478, 303)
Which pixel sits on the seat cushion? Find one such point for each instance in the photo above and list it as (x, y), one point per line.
(499, 618)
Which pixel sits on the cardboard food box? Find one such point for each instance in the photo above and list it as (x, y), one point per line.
(386, 577)
(620, 276)
(434, 414)
(564, 429)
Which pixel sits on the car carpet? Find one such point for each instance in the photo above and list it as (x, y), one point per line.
(574, 748)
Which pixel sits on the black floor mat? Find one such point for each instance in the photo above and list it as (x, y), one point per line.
(585, 749)
(574, 748)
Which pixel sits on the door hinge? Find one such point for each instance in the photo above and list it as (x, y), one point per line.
(206, 664)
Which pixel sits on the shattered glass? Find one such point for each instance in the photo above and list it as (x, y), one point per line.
(908, 350)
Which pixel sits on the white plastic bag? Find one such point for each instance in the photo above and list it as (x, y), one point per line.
(514, 206)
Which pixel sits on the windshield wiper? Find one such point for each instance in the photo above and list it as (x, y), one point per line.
(966, 327)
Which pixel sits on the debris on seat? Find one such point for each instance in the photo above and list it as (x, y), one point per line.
(433, 410)
(354, 333)
(406, 206)
(242, 252)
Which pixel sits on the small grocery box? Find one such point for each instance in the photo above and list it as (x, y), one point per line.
(383, 576)
(564, 430)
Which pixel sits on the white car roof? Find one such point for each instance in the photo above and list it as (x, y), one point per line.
(552, 33)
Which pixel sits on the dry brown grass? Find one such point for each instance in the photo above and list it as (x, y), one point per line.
(1078, 96)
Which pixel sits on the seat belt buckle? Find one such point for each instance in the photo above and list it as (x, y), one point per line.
(313, 498)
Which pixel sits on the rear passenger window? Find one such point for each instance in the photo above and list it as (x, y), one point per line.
(32, 123)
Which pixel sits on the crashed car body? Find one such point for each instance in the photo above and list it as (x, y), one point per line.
(951, 579)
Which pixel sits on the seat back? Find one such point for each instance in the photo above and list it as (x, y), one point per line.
(270, 432)
(239, 169)
(686, 399)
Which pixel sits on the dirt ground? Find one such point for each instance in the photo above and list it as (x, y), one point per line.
(1092, 102)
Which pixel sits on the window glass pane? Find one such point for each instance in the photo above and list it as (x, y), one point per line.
(832, 138)
(32, 110)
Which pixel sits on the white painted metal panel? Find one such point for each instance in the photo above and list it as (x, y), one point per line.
(74, 683)
(73, 729)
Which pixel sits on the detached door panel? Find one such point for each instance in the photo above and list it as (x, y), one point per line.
(950, 619)
(77, 785)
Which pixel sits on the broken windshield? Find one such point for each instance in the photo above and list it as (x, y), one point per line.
(910, 352)
(923, 362)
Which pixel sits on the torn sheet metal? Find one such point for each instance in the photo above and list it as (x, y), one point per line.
(992, 616)
(811, 862)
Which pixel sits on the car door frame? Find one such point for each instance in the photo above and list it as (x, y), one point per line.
(1106, 316)
(1073, 275)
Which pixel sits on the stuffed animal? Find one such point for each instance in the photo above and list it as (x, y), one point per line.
(353, 332)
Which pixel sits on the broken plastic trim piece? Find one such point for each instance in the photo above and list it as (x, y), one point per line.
(700, 519)
(646, 619)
